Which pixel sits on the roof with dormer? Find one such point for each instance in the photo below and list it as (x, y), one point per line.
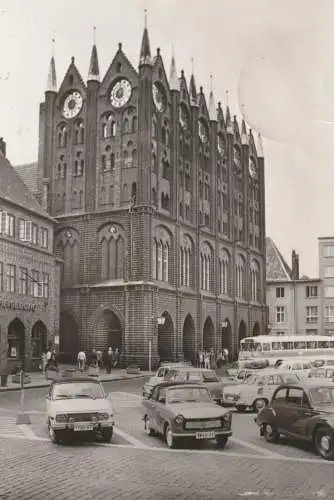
(15, 191)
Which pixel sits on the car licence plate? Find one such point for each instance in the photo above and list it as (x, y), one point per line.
(205, 435)
(83, 427)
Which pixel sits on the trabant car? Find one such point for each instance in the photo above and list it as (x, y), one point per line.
(303, 411)
(185, 411)
(205, 376)
(159, 376)
(77, 407)
(256, 391)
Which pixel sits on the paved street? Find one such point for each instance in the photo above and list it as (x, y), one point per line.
(137, 466)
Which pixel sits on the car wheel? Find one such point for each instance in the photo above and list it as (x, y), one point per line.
(170, 439)
(221, 441)
(107, 435)
(324, 443)
(147, 426)
(259, 404)
(270, 434)
(54, 435)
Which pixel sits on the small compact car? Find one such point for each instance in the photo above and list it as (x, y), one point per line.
(77, 407)
(159, 376)
(209, 378)
(256, 391)
(185, 411)
(304, 411)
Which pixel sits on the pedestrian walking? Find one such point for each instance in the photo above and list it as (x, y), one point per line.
(201, 359)
(116, 358)
(93, 358)
(81, 360)
(99, 359)
(109, 360)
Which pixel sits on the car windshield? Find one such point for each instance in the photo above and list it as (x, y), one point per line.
(210, 376)
(252, 379)
(187, 394)
(330, 362)
(289, 378)
(76, 390)
(322, 395)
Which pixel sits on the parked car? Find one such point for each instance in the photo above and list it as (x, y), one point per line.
(185, 410)
(324, 372)
(78, 407)
(256, 391)
(304, 411)
(159, 376)
(301, 367)
(204, 376)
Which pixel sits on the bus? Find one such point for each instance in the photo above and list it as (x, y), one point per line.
(274, 348)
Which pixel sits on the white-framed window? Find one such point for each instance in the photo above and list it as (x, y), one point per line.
(35, 285)
(311, 291)
(280, 292)
(45, 285)
(311, 314)
(165, 259)
(34, 234)
(329, 251)
(11, 278)
(8, 221)
(23, 281)
(329, 291)
(280, 314)
(44, 237)
(329, 313)
(25, 230)
(329, 272)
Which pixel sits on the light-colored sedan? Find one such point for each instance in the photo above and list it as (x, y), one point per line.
(257, 390)
(77, 407)
(159, 376)
(180, 411)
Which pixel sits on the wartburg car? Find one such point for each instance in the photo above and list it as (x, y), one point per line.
(303, 411)
(181, 411)
(78, 407)
(256, 391)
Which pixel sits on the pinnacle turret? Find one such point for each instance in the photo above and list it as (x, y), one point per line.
(145, 51)
(94, 72)
(192, 91)
(212, 104)
(259, 146)
(244, 137)
(51, 85)
(174, 83)
(229, 124)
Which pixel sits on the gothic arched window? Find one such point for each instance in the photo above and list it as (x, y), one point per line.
(241, 277)
(112, 249)
(206, 259)
(255, 281)
(161, 264)
(186, 262)
(224, 273)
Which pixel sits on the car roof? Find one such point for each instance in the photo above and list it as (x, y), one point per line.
(194, 369)
(178, 384)
(310, 383)
(71, 380)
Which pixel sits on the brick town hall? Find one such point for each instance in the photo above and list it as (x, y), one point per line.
(160, 203)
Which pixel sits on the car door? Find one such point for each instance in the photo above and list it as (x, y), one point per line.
(151, 407)
(297, 409)
(160, 410)
(275, 413)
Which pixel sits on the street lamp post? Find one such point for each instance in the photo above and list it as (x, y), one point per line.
(160, 321)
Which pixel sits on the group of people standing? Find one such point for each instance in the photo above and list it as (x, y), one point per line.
(209, 359)
(107, 360)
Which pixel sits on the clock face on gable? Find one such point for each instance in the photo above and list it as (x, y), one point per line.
(120, 93)
(72, 104)
(159, 97)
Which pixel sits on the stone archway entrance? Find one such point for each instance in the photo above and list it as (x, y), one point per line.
(256, 329)
(69, 342)
(189, 341)
(242, 333)
(108, 332)
(16, 340)
(227, 342)
(39, 339)
(166, 339)
(208, 334)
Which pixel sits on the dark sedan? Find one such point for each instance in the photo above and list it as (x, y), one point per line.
(303, 411)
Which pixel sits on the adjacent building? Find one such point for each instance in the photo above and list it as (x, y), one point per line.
(160, 202)
(294, 302)
(29, 273)
(326, 273)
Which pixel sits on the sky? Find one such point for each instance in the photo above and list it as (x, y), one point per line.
(275, 59)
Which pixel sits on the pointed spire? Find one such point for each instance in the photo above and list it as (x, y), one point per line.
(244, 136)
(174, 83)
(51, 85)
(145, 51)
(259, 146)
(94, 72)
(220, 113)
(229, 125)
(192, 86)
(212, 104)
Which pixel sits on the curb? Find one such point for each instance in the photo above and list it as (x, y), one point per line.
(11, 389)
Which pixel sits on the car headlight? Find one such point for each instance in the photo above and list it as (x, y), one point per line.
(227, 417)
(179, 419)
(61, 417)
(103, 416)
